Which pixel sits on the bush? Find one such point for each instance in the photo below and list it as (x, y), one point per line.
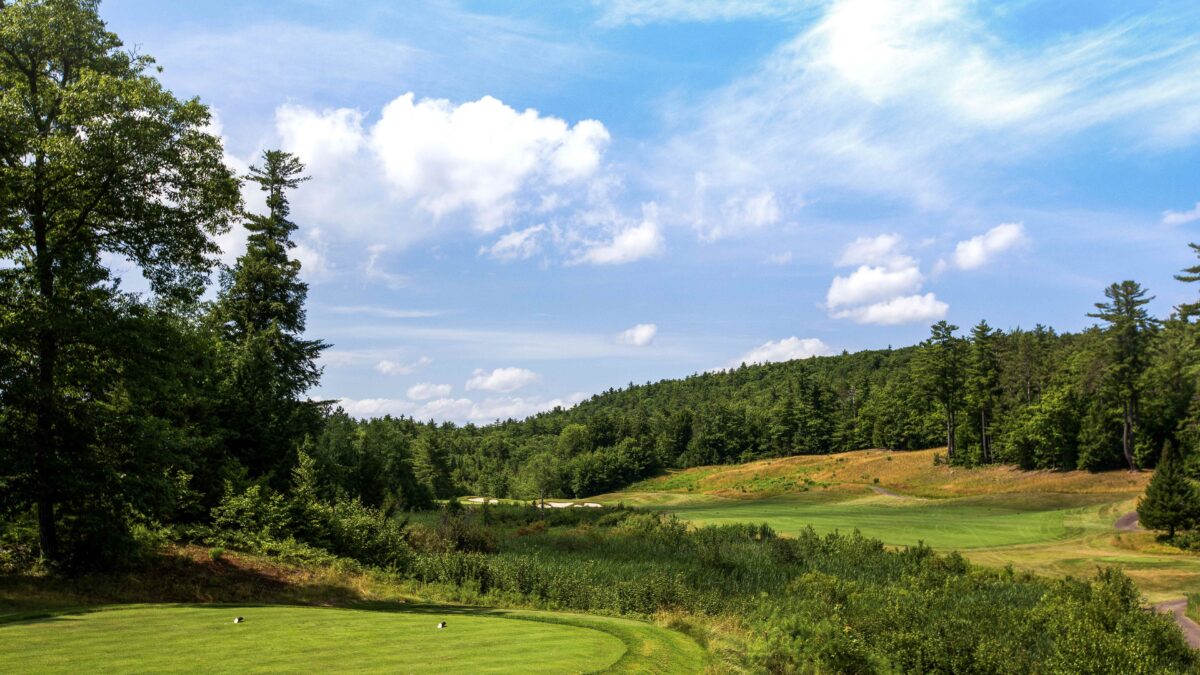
(251, 517)
(259, 520)
(18, 546)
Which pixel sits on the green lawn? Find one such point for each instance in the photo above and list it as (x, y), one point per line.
(158, 638)
(982, 522)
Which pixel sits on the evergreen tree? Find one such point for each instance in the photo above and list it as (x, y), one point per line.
(983, 382)
(1129, 330)
(431, 468)
(1190, 275)
(940, 370)
(1171, 501)
(260, 313)
(96, 158)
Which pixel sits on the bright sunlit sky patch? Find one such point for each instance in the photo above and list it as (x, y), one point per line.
(515, 205)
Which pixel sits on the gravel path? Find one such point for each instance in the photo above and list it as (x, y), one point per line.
(1177, 609)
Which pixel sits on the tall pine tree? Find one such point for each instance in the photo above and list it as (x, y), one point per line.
(939, 368)
(268, 364)
(1130, 328)
(983, 383)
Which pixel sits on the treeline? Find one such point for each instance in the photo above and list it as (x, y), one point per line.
(1109, 397)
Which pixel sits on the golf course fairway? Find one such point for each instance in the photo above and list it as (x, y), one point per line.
(1057, 523)
(204, 638)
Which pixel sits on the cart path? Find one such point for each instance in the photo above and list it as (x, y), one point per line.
(1177, 609)
(1128, 522)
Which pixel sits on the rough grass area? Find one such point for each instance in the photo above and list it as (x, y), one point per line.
(1049, 522)
(1193, 607)
(312, 639)
(909, 473)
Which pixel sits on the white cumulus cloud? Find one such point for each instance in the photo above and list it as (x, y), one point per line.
(478, 155)
(884, 289)
(638, 336)
(982, 249)
(629, 243)
(868, 284)
(786, 349)
(502, 380)
(904, 309)
(458, 410)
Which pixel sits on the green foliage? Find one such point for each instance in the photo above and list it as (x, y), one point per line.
(98, 158)
(813, 603)
(939, 369)
(259, 519)
(1172, 501)
(260, 318)
(1130, 329)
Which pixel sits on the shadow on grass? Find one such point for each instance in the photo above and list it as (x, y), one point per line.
(175, 578)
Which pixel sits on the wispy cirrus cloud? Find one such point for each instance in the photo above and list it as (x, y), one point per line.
(642, 12)
(846, 106)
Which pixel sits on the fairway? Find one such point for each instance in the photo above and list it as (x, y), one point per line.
(160, 638)
(1049, 522)
(947, 524)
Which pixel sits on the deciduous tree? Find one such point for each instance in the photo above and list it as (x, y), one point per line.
(97, 161)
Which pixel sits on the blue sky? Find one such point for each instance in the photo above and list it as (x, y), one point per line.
(519, 204)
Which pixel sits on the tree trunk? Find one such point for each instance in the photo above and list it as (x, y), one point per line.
(949, 432)
(983, 435)
(1127, 435)
(44, 411)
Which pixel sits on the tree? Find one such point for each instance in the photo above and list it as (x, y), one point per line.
(96, 158)
(1129, 330)
(540, 476)
(983, 382)
(1190, 275)
(939, 368)
(1171, 501)
(260, 315)
(430, 467)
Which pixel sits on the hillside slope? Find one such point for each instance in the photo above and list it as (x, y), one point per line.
(1052, 522)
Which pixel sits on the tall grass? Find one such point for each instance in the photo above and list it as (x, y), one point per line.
(829, 603)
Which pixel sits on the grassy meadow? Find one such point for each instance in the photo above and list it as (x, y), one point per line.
(1053, 522)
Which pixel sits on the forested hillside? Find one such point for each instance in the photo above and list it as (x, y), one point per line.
(1106, 398)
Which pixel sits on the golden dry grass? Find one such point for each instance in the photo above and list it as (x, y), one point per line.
(910, 473)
